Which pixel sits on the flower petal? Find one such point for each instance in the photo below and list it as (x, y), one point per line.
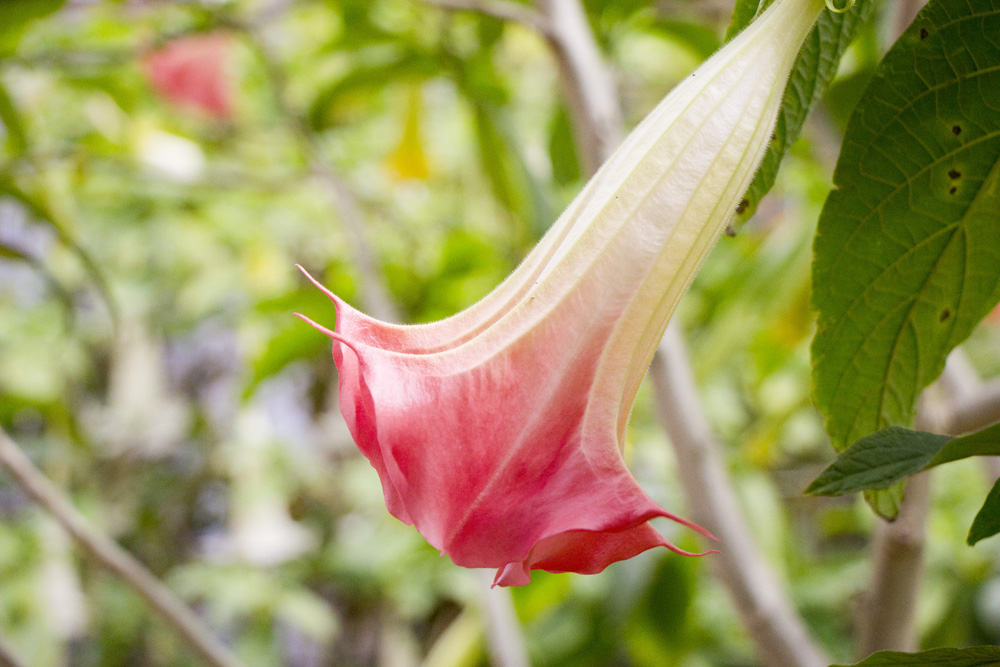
(497, 432)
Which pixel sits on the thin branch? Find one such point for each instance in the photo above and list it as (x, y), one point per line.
(374, 294)
(501, 9)
(503, 631)
(113, 558)
(781, 637)
(975, 404)
(584, 75)
(888, 605)
(587, 80)
(977, 411)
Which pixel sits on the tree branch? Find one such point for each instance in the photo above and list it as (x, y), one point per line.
(587, 81)
(975, 404)
(888, 604)
(781, 637)
(503, 631)
(978, 411)
(890, 599)
(113, 558)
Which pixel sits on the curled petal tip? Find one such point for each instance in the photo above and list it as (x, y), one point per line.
(677, 550)
(318, 327)
(326, 332)
(692, 525)
(333, 297)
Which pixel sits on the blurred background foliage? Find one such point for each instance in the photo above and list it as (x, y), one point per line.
(150, 364)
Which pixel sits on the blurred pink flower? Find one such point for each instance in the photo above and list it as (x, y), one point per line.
(195, 72)
(498, 432)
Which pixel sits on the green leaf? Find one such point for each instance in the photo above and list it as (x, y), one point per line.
(987, 521)
(981, 443)
(562, 149)
(907, 253)
(814, 69)
(16, 141)
(294, 341)
(890, 455)
(974, 656)
(744, 12)
(17, 14)
(878, 461)
(370, 78)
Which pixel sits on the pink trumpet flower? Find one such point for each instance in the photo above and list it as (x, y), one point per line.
(498, 432)
(195, 73)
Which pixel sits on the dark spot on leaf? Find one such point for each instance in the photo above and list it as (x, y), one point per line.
(952, 191)
(956, 130)
(923, 33)
(730, 230)
(774, 136)
(742, 206)
(945, 314)
(954, 174)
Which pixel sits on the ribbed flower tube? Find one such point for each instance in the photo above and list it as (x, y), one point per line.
(497, 432)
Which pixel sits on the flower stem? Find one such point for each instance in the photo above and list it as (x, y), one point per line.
(112, 557)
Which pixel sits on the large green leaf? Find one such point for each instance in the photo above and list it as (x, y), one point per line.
(816, 66)
(879, 460)
(907, 254)
(974, 656)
